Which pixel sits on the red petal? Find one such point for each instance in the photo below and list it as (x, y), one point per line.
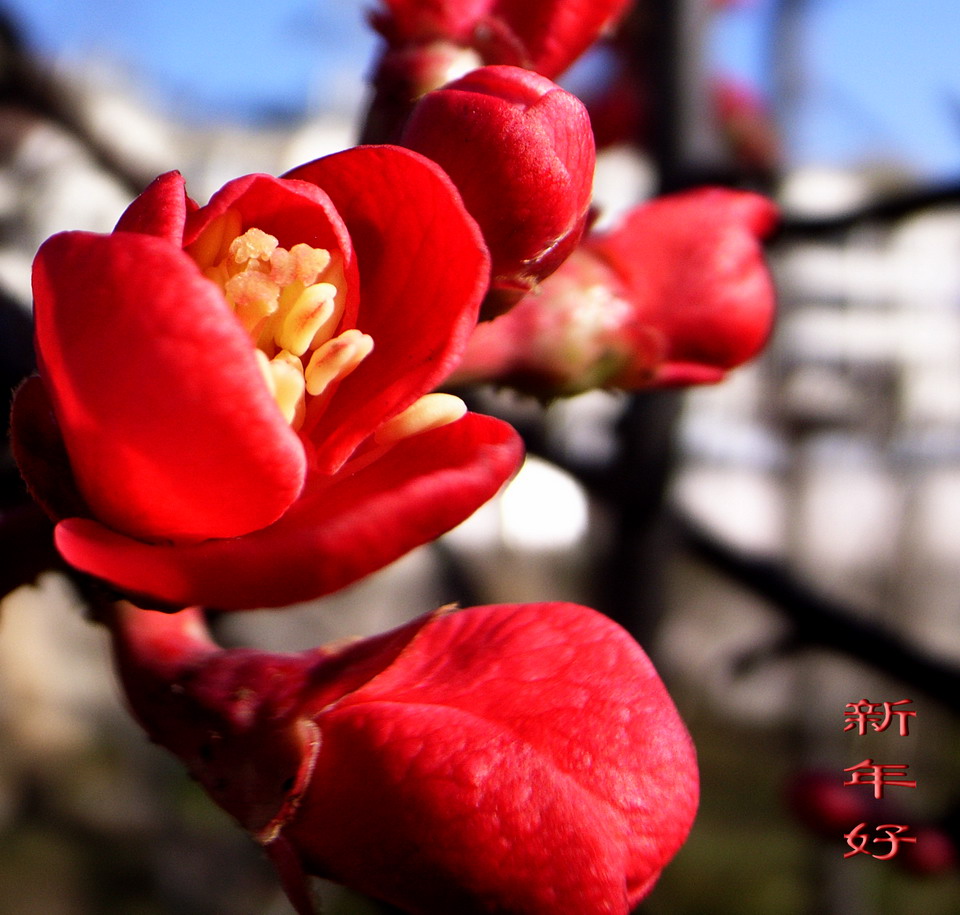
(170, 428)
(694, 266)
(414, 20)
(542, 35)
(423, 270)
(160, 210)
(554, 33)
(679, 374)
(40, 454)
(341, 529)
(521, 758)
(291, 211)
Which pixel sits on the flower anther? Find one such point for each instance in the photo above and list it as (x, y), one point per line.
(291, 303)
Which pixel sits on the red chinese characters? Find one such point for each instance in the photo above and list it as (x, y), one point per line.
(514, 758)
(520, 151)
(879, 715)
(892, 834)
(677, 294)
(230, 409)
(879, 776)
(867, 772)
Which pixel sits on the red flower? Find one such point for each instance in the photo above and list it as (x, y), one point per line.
(229, 410)
(522, 759)
(430, 42)
(542, 35)
(677, 294)
(511, 130)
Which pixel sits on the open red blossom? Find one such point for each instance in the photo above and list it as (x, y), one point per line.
(518, 133)
(515, 758)
(230, 408)
(677, 294)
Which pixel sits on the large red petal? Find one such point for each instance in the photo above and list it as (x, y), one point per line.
(434, 761)
(160, 210)
(339, 531)
(423, 271)
(497, 759)
(171, 431)
(438, 811)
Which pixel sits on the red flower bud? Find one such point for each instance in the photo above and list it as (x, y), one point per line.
(520, 759)
(677, 294)
(827, 807)
(430, 42)
(934, 854)
(748, 124)
(520, 151)
(542, 35)
(230, 409)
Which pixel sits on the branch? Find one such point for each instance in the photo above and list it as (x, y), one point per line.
(26, 85)
(888, 208)
(821, 621)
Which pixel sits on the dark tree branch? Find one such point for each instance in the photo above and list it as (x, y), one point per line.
(818, 620)
(888, 208)
(27, 86)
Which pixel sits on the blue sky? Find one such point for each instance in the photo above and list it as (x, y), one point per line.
(882, 77)
(234, 59)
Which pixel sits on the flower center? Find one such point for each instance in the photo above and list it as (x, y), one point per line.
(290, 302)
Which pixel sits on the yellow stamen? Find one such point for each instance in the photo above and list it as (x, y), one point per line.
(291, 303)
(429, 412)
(335, 359)
(288, 387)
(218, 273)
(306, 264)
(329, 326)
(253, 297)
(312, 310)
(254, 244)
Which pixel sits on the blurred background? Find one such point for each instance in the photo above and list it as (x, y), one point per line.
(782, 544)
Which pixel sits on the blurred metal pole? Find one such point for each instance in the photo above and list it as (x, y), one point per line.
(784, 63)
(688, 149)
(670, 51)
